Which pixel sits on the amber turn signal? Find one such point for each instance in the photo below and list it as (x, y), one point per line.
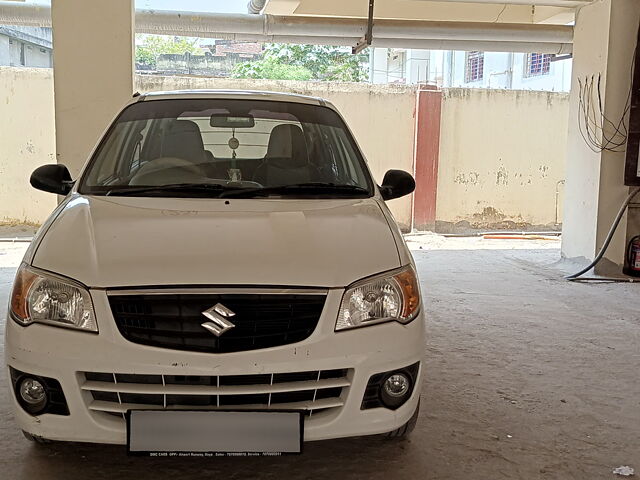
(20, 293)
(408, 282)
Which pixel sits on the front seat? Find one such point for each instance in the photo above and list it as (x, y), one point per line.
(287, 158)
(177, 154)
(181, 139)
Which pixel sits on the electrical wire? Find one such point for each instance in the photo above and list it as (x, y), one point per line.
(607, 240)
(598, 131)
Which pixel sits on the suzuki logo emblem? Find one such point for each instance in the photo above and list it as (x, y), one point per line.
(218, 315)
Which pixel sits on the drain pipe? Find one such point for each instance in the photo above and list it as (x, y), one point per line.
(558, 183)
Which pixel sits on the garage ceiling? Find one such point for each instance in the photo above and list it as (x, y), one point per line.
(422, 24)
(514, 11)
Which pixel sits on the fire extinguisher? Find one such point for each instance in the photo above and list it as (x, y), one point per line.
(633, 257)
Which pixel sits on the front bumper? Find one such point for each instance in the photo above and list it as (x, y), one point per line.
(62, 354)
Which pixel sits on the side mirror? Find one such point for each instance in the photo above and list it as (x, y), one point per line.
(396, 184)
(53, 178)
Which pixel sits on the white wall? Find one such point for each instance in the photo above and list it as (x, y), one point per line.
(4, 50)
(502, 154)
(27, 141)
(37, 57)
(418, 64)
(518, 135)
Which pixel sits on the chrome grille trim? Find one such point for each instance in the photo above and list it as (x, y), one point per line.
(121, 408)
(174, 389)
(311, 391)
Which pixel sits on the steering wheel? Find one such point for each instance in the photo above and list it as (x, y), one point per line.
(164, 170)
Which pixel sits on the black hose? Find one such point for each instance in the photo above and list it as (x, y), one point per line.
(607, 240)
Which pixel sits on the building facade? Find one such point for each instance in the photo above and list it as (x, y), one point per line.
(519, 71)
(26, 46)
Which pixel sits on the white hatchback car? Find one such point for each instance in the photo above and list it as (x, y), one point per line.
(223, 276)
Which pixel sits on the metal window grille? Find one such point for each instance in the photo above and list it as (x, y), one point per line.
(474, 66)
(538, 64)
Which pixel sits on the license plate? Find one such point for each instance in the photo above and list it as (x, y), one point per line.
(207, 433)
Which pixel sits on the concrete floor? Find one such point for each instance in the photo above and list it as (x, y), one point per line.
(528, 376)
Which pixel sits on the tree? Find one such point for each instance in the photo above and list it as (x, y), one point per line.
(272, 69)
(154, 45)
(305, 62)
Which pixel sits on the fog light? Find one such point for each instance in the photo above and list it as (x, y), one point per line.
(395, 390)
(33, 395)
(391, 389)
(397, 385)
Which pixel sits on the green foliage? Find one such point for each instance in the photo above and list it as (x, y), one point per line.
(305, 62)
(272, 69)
(154, 45)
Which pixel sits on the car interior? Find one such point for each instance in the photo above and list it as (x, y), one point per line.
(175, 152)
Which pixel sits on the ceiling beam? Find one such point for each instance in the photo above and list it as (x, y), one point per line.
(333, 30)
(541, 3)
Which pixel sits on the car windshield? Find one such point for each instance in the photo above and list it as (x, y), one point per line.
(227, 148)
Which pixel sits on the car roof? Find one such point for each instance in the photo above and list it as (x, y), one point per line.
(233, 94)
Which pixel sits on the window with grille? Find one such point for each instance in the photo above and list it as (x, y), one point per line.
(474, 66)
(537, 64)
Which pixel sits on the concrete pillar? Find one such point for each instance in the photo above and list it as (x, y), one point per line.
(604, 42)
(93, 71)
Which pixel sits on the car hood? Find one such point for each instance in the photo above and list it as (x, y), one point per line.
(123, 241)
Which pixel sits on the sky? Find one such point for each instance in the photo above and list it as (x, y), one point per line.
(219, 6)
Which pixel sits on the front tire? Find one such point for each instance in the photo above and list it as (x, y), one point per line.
(405, 430)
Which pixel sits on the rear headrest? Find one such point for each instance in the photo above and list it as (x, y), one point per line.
(181, 139)
(288, 146)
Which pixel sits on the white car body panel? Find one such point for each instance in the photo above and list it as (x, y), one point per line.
(62, 354)
(181, 241)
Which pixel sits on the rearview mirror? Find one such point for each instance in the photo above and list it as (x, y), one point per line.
(53, 178)
(231, 121)
(396, 184)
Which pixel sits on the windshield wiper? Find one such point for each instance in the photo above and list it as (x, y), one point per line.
(306, 188)
(173, 187)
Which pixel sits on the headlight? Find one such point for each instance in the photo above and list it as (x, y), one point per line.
(394, 296)
(38, 297)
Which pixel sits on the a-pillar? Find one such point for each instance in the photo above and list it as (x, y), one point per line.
(604, 43)
(93, 69)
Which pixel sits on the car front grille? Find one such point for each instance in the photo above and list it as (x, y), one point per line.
(311, 391)
(175, 320)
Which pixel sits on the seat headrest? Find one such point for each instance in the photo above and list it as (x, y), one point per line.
(288, 146)
(182, 139)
